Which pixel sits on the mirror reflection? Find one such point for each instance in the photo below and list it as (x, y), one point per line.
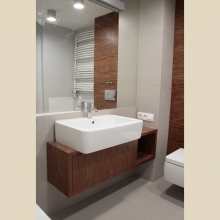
(65, 54)
(67, 47)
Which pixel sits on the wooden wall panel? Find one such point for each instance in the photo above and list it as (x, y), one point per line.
(105, 59)
(176, 126)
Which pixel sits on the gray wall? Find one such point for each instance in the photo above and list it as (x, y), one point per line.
(56, 51)
(156, 38)
(128, 54)
(39, 77)
(90, 28)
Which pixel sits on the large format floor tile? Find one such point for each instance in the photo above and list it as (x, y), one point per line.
(162, 201)
(131, 199)
(128, 190)
(168, 192)
(126, 214)
(152, 207)
(96, 207)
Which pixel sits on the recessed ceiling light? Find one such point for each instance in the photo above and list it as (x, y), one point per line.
(51, 15)
(79, 4)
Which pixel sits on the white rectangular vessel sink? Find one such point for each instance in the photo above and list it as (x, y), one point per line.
(88, 135)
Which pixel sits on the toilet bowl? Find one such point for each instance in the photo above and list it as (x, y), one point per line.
(174, 167)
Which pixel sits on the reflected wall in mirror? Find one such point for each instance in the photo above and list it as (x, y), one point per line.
(65, 51)
(106, 61)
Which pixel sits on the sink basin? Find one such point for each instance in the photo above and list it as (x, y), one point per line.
(88, 135)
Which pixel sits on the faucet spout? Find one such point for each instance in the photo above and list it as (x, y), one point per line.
(89, 109)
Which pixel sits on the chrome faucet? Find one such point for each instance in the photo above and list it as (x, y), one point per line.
(89, 109)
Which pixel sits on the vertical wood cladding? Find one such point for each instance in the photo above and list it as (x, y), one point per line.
(105, 59)
(176, 126)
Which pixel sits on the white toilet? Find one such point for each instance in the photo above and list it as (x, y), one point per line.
(174, 167)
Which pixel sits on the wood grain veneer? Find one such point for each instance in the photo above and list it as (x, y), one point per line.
(176, 126)
(98, 166)
(73, 172)
(147, 131)
(105, 59)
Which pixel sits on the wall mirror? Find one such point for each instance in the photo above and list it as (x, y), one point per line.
(69, 66)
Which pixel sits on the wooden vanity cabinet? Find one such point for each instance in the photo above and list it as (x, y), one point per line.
(99, 166)
(72, 172)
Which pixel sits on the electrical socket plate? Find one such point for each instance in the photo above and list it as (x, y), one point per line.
(145, 116)
(140, 115)
(150, 117)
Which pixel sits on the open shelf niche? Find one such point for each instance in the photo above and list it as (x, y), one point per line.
(146, 145)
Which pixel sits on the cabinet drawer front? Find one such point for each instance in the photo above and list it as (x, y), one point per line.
(95, 167)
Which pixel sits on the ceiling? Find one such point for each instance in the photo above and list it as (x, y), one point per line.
(67, 16)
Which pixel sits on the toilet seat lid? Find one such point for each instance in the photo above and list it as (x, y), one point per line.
(177, 157)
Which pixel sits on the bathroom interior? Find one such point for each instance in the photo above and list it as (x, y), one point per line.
(110, 63)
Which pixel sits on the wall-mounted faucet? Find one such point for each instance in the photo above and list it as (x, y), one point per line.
(89, 109)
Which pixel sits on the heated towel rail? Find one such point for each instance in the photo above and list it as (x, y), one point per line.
(83, 71)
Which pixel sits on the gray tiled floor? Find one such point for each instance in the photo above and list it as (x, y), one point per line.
(131, 199)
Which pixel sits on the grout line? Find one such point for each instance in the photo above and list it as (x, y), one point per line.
(136, 213)
(127, 82)
(152, 29)
(115, 213)
(133, 199)
(136, 199)
(151, 82)
(93, 193)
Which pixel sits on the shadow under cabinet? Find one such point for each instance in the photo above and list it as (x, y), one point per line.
(72, 172)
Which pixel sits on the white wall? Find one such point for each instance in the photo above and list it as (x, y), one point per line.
(57, 50)
(49, 198)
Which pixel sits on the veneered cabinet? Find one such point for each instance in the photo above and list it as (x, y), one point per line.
(96, 167)
(72, 172)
